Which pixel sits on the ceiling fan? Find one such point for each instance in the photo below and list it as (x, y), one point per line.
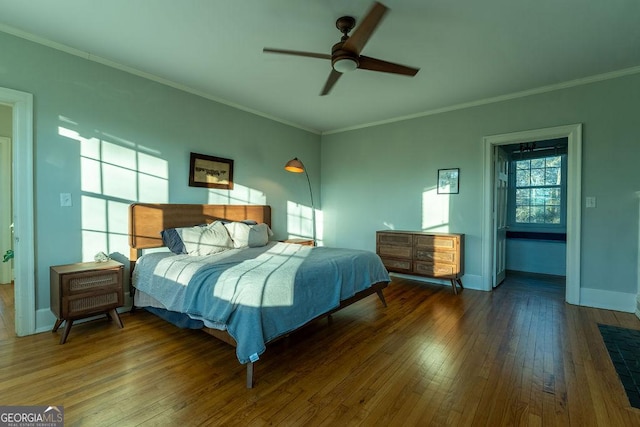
(345, 55)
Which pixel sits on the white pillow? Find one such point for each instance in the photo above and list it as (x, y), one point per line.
(248, 235)
(208, 240)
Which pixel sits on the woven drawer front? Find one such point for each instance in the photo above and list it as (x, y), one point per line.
(93, 302)
(395, 239)
(82, 283)
(434, 241)
(435, 270)
(396, 264)
(395, 251)
(431, 255)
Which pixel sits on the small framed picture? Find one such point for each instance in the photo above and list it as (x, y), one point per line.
(448, 181)
(211, 172)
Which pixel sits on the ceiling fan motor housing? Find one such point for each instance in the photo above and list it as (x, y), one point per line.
(343, 60)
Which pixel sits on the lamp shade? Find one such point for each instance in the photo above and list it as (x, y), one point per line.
(294, 165)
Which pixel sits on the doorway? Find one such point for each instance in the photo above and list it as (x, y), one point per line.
(23, 216)
(573, 133)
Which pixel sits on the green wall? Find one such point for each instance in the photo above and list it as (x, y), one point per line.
(111, 138)
(389, 184)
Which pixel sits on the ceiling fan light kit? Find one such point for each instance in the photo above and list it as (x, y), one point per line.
(345, 65)
(345, 55)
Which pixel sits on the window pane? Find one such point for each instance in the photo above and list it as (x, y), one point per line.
(537, 163)
(552, 176)
(554, 197)
(539, 196)
(523, 197)
(523, 178)
(537, 214)
(522, 214)
(554, 162)
(552, 215)
(523, 164)
(537, 176)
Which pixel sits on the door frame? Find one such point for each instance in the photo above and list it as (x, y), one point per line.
(23, 221)
(573, 133)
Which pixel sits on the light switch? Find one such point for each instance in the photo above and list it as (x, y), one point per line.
(591, 202)
(65, 199)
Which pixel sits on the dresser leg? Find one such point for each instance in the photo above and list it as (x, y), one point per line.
(65, 333)
(453, 285)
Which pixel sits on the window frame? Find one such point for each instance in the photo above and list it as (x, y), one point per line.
(511, 199)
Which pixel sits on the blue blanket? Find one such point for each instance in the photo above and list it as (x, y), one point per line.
(258, 294)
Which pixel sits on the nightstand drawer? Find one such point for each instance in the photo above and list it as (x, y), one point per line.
(87, 304)
(90, 281)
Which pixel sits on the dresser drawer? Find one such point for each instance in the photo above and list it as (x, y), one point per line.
(434, 269)
(395, 251)
(429, 254)
(436, 241)
(397, 265)
(396, 239)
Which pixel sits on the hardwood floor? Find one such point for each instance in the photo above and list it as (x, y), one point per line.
(515, 356)
(7, 314)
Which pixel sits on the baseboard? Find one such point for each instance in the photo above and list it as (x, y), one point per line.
(609, 300)
(469, 281)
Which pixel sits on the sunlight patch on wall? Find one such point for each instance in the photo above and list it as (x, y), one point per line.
(240, 195)
(300, 222)
(113, 174)
(435, 211)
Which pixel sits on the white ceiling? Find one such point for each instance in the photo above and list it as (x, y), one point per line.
(467, 50)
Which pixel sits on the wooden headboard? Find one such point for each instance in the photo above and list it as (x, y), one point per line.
(147, 220)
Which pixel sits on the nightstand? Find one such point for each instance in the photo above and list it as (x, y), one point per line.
(303, 242)
(85, 289)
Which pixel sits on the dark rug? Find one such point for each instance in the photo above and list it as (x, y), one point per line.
(624, 349)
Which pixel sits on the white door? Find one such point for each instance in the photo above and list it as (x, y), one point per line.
(501, 182)
(6, 237)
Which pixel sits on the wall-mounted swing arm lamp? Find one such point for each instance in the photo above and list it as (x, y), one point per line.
(296, 166)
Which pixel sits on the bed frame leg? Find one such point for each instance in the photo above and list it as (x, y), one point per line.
(250, 375)
(381, 296)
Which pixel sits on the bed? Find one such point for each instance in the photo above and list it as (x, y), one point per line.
(244, 296)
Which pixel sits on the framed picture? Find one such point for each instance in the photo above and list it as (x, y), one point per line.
(211, 172)
(448, 181)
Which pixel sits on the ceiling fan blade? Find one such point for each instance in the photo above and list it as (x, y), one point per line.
(367, 63)
(333, 78)
(365, 29)
(297, 53)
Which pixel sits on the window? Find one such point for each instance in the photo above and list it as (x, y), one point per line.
(538, 191)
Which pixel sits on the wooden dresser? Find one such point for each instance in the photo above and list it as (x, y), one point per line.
(85, 289)
(437, 255)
